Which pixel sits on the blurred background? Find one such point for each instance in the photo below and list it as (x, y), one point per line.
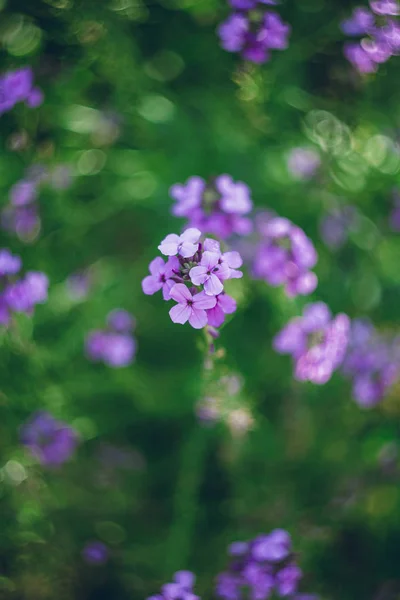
(138, 96)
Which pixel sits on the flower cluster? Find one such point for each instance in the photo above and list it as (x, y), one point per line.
(17, 86)
(253, 31)
(202, 267)
(285, 256)
(115, 346)
(19, 295)
(50, 441)
(21, 214)
(372, 363)
(265, 566)
(180, 589)
(216, 208)
(379, 33)
(316, 342)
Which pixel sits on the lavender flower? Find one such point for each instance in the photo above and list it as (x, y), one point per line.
(207, 267)
(383, 35)
(19, 295)
(303, 162)
(285, 257)
(180, 589)
(316, 342)
(52, 442)
(216, 208)
(264, 566)
(95, 553)
(336, 225)
(17, 86)
(115, 346)
(253, 34)
(372, 363)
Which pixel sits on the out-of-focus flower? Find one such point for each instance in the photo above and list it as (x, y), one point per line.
(95, 553)
(372, 363)
(265, 566)
(303, 162)
(17, 86)
(115, 346)
(336, 225)
(285, 257)
(180, 589)
(253, 33)
(52, 442)
(316, 342)
(216, 208)
(383, 35)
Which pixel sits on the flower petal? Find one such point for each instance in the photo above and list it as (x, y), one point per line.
(156, 266)
(210, 260)
(216, 316)
(202, 300)
(151, 285)
(198, 275)
(187, 249)
(169, 245)
(180, 293)
(198, 318)
(180, 313)
(191, 235)
(213, 286)
(233, 259)
(227, 303)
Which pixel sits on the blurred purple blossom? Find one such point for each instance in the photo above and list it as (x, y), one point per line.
(216, 208)
(95, 553)
(180, 589)
(52, 442)
(115, 346)
(316, 341)
(336, 225)
(303, 162)
(16, 86)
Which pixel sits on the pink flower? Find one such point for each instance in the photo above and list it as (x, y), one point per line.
(190, 308)
(225, 306)
(161, 276)
(185, 244)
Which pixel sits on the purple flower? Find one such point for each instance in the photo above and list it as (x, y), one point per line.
(249, 4)
(285, 256)
(120, 320)
(361, 21)
(253, 38)
(161, 277)
(372, 363)
(95, 553)
(18, 84)
(218, 207)
(78, 285)
(185, 245)
(35, 98)
(225, 305)
(385, 7)
(50, 441)
(287, 580)
(22, 193)
(336, 225)
(24, 294)
(360, 59)
(274, 547)
(316, 342)
(190, 308)
(303, 162)
(9, 264)
(115, 346)
(180, 589)
(208, 274)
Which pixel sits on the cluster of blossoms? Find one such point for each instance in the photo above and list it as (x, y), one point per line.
(50, 441)
(21, 214)
(303, 163)
(316, 341)
(264, 566)
(372, 363)
(17, 86)
(115, 346)
(285, 256)
(216, 208)
(194, 276)
(181, 588)
(379, 32)
(19, 295)
(253, 31)
(336, 225)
